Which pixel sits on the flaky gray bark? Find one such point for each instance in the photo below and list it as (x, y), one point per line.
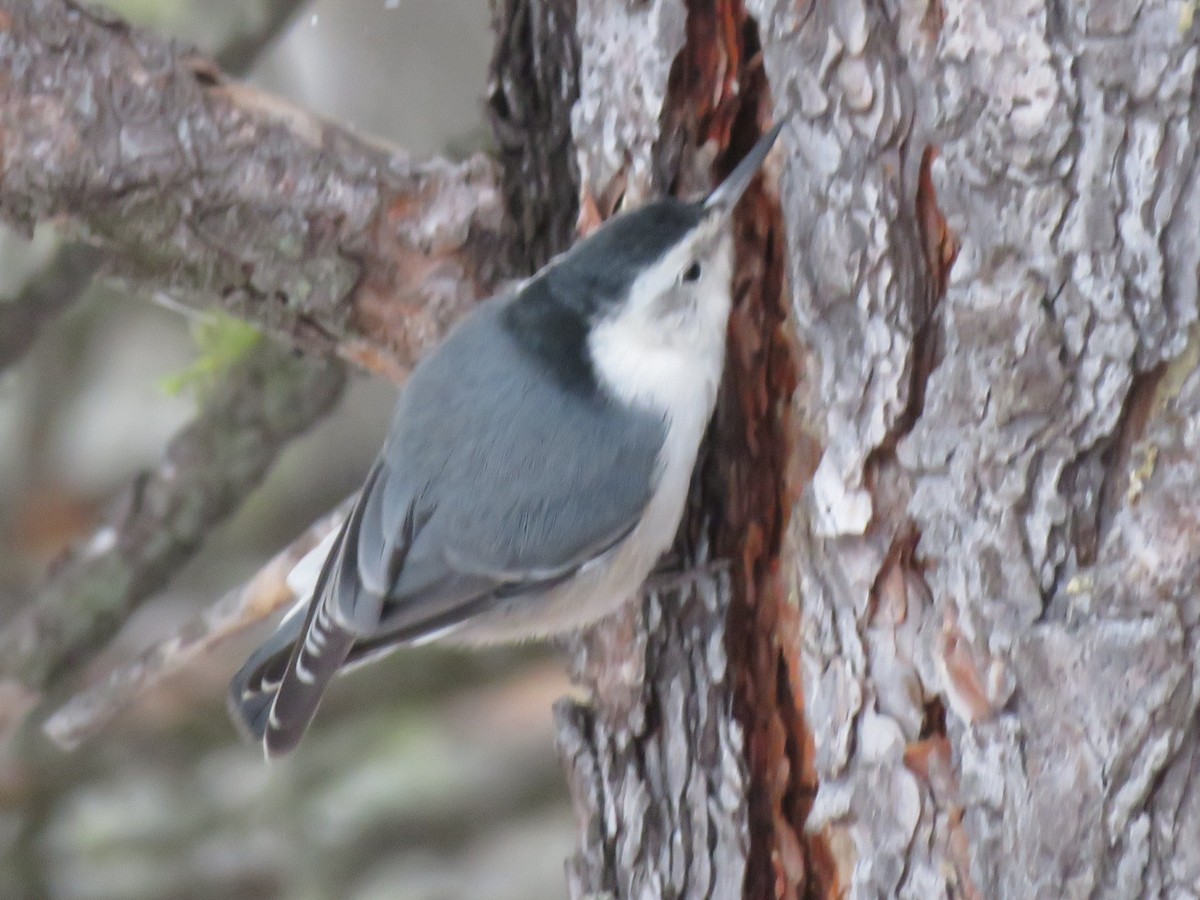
(70, 271)
(688, 762)
(997, 561)
(655, 760)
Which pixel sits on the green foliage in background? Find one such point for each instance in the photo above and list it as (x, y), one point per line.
(148, 13)
(221, 340)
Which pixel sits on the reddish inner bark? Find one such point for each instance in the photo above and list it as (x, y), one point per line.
(719, 94)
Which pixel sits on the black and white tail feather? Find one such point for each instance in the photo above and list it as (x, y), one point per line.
(276, 693)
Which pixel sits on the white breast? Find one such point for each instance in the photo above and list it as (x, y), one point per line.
(683, 387)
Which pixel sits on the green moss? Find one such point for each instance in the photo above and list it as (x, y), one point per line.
(221, 341)
(150, 13)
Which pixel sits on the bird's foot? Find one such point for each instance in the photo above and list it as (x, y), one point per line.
(670, 576)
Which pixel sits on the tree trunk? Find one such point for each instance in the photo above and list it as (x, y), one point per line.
(974, 631)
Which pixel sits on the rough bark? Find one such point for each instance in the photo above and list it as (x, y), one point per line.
(70, 271)
(655, 757)
(206, 189)
(651, 748)
(996, 562)
(533, 87)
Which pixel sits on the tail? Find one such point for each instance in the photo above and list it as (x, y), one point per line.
(253, 688)
(259, 704)
(310, 665)
(274, 696)
(253, 691)
(322, 644)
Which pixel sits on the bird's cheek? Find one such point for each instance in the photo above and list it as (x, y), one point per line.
(672, 310)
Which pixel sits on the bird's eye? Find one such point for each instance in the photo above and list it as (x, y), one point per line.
(691, 273)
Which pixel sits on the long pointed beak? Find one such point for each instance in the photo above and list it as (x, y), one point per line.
(726, 195)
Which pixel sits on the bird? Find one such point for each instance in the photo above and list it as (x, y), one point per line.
(537, 464)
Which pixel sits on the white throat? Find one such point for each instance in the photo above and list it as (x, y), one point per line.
(672, 364)
(672, 367)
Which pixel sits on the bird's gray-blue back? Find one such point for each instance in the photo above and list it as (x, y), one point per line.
(508, 471)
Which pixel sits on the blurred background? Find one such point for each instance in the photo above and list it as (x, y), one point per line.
(431, 775)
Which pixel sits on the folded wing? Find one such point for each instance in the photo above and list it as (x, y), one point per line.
(448, 527)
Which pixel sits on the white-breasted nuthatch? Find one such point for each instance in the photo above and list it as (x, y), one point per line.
(537, 465)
